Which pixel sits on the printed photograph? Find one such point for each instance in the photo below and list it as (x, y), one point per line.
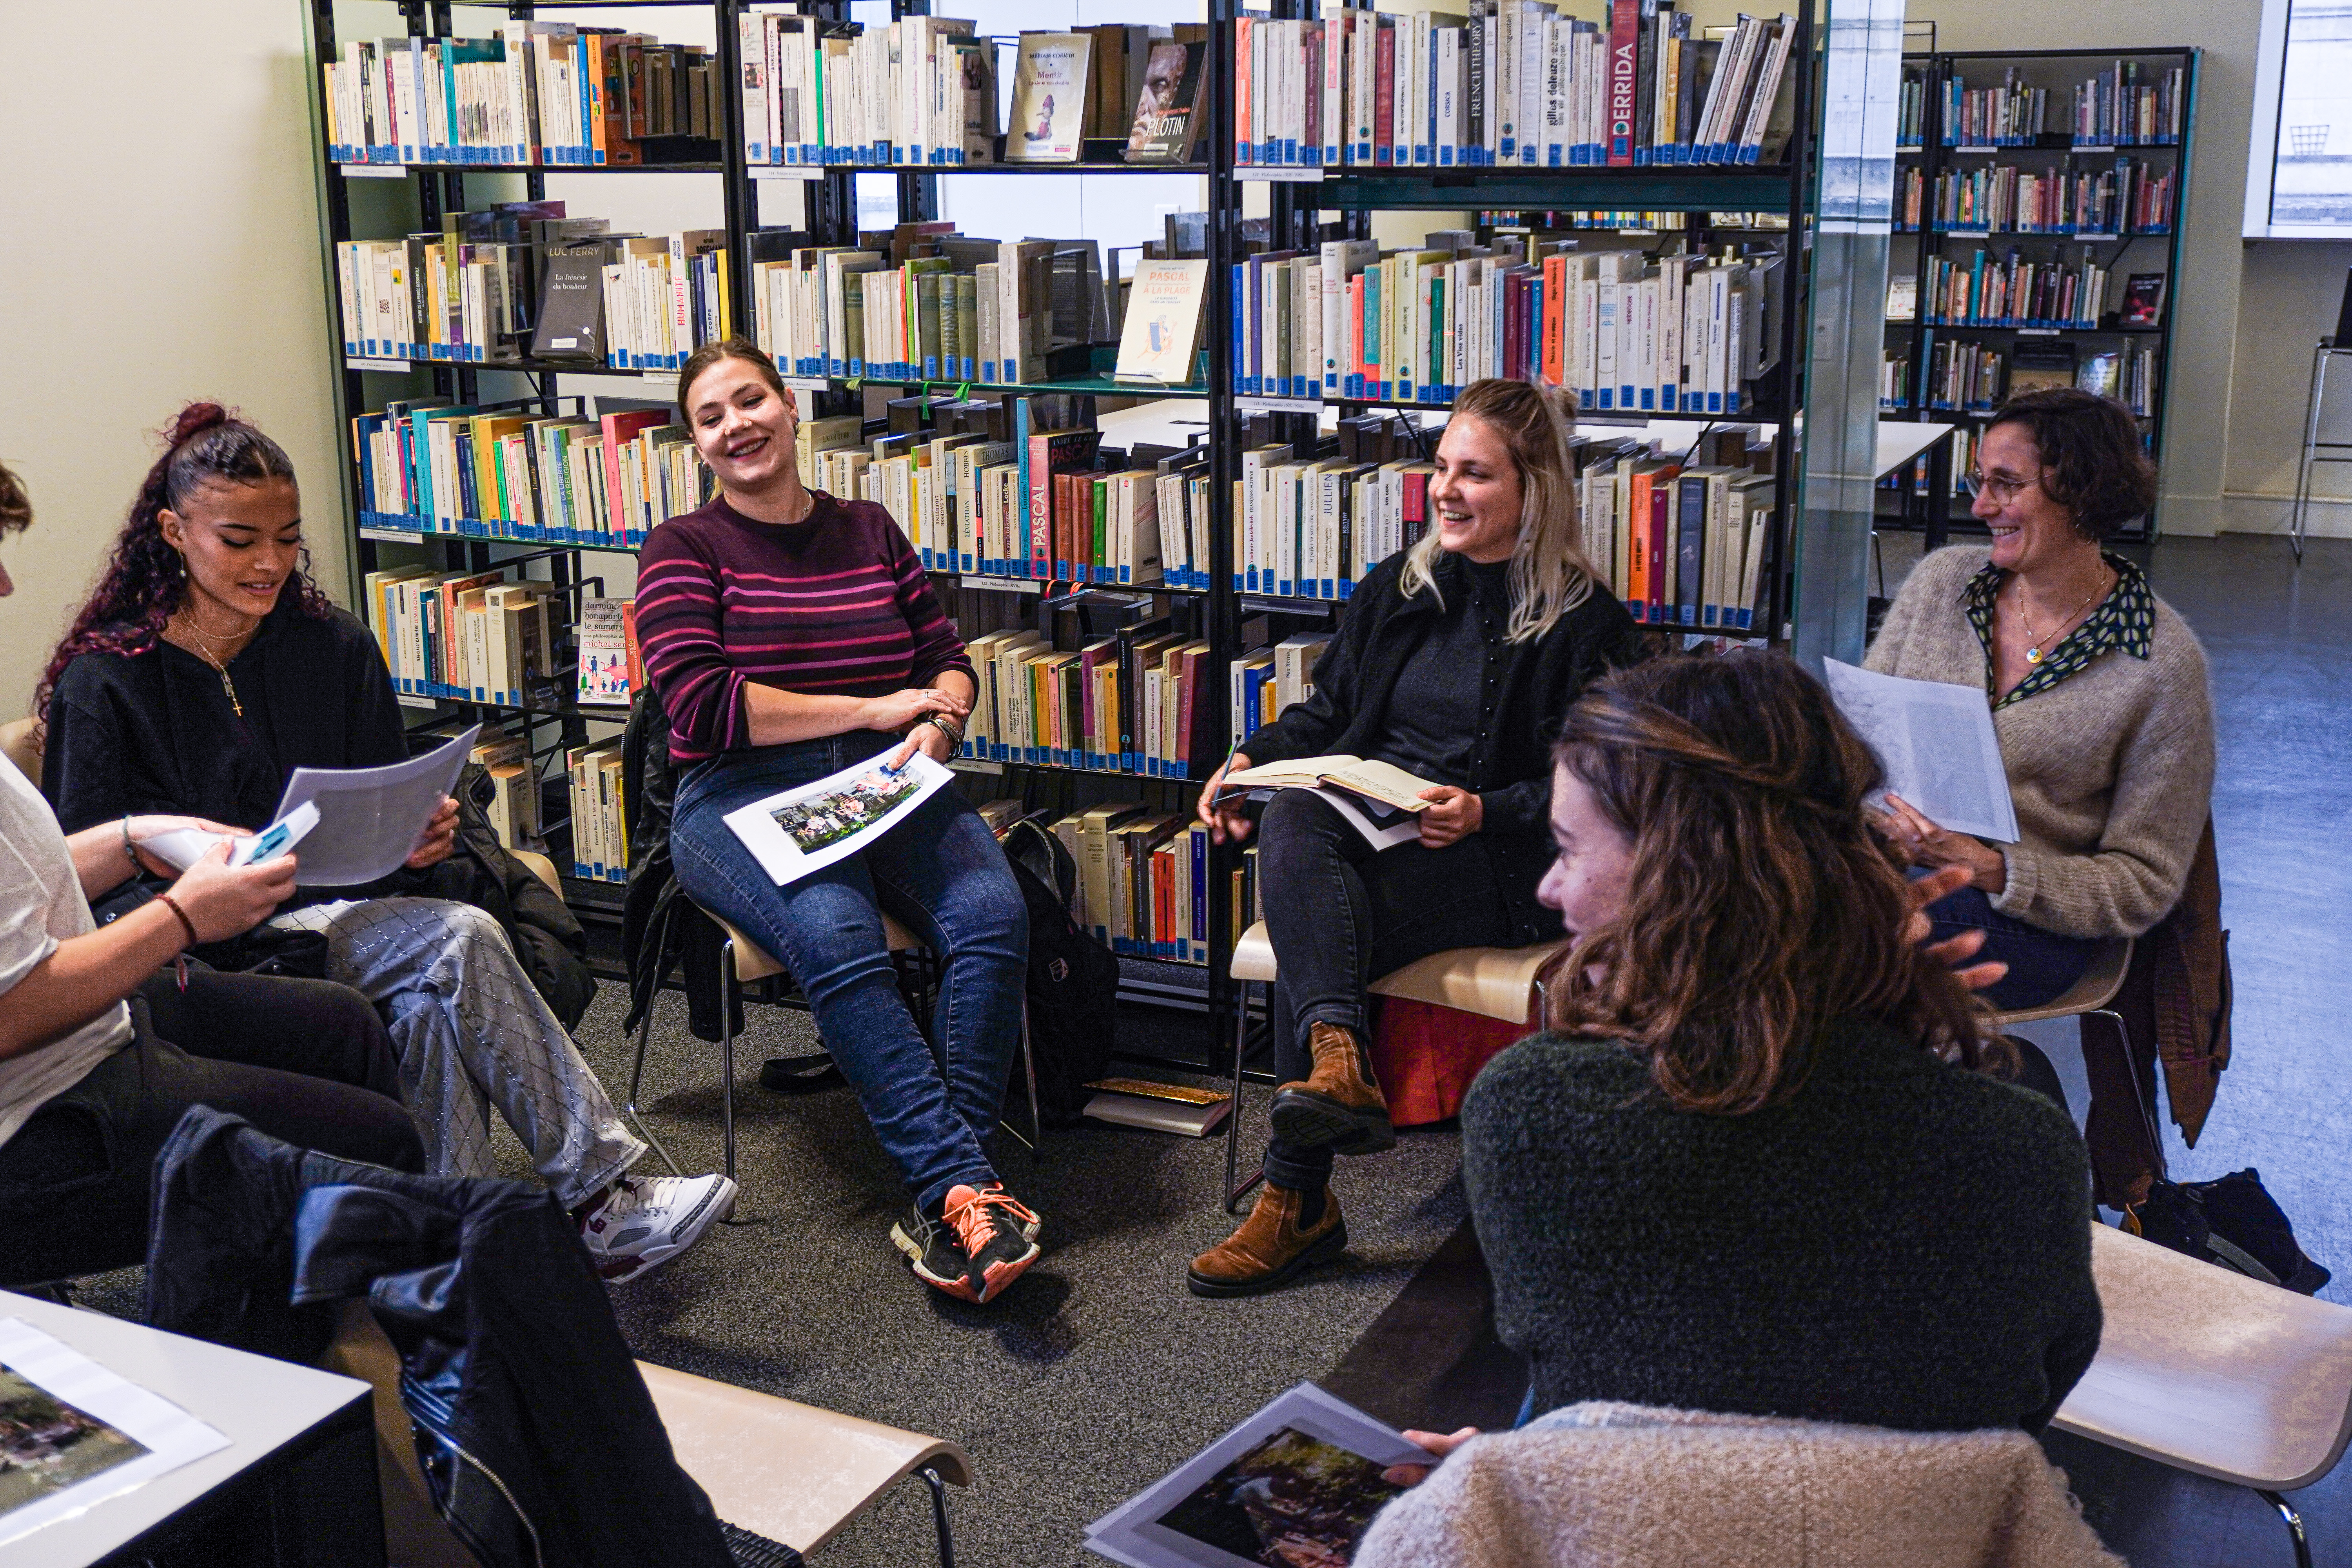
(1293, 1501)
(829, 818)
(46, 1445)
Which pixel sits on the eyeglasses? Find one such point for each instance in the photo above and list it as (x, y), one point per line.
(2000, 486)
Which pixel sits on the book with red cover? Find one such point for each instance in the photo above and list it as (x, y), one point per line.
(619, 428)
(1624, 78)
(1051, 453)
(1384, 97)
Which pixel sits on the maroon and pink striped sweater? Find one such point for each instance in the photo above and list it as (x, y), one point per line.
(835, 606)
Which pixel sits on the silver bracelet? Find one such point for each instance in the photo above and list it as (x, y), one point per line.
(130, 851)
(940, 723)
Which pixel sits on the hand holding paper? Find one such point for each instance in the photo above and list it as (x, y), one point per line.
(1938, 745)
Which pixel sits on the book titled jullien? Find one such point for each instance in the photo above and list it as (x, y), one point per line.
(1163, 322)
(1049, 98)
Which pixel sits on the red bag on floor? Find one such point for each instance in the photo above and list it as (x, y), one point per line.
(1425, 1055)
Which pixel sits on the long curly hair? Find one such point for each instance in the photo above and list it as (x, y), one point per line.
(145, 580)
(1759, 905)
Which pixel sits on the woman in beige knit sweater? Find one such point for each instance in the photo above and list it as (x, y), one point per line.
(2098, 693)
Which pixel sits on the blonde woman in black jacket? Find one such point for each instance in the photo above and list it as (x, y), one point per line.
(1453, 661)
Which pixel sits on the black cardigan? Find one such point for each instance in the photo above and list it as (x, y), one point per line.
(1510, 759)
(1901, 1244)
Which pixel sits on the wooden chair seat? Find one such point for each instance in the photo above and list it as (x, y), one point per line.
(753, 962)
(791, 1472)
(1491, 982)
(2093, 992)
(2208, 1371)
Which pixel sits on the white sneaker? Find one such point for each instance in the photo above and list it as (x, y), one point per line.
(643, 1223)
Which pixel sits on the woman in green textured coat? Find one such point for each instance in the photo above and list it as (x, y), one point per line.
(1760, 1163)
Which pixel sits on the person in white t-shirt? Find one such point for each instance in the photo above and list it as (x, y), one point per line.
(102, 1047)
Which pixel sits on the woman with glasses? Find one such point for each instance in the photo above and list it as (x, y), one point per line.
(2099, 694)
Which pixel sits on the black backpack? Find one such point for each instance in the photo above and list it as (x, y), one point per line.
(2232, 1221)
(1072, 978)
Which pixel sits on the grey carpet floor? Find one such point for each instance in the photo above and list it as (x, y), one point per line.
(1094, 1376)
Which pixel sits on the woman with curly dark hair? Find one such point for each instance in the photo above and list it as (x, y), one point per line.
(205, 669)
(1757, 1165)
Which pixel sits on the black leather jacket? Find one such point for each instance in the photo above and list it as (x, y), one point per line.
(532, 1424)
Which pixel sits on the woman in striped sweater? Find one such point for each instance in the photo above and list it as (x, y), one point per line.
(788, 635)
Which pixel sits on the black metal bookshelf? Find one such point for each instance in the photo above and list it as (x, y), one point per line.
(1926, 498)
(1295, 219)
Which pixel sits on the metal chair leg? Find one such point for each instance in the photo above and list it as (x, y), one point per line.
(1235, 1195)
(729, 993)
(637, 1078)
(940, 1515)
(2294, 1526)
(1035, 1141)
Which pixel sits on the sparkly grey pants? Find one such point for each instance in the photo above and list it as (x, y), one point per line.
(472, 1032)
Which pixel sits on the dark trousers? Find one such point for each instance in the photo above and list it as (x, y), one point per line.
(1341, 915)
(304, 1060)
(2042, 964)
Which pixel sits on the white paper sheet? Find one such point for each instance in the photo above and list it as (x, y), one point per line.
(1937, 743)
(798, 831)
(1203, 1501)
(150, 1436)
(368, 819)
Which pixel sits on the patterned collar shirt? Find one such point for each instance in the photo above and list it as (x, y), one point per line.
(2124, 620)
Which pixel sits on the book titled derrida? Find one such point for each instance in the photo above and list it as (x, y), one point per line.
(1049, 98)
(1163, 322)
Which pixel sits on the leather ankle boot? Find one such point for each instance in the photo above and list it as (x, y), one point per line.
(1340, 1103)
(1271, 1248)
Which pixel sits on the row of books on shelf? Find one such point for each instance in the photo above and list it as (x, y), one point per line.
(1977, 378)
(549, 94)
(1680, 537)
(1141, 700)
(965, 309)
(508, 472)
(1143, 877)
(521, 278)
(2129, 104)
(1676, 333)
(922, 92)
(470, 636)
(2127, 198)
(960, 501)
(1983, 290)
(1514, 83)
(480, 637)
(600, 818)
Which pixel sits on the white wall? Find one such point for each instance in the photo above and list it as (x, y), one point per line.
(160, 242)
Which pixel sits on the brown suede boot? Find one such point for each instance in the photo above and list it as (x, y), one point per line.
(1340, 1103)
(1271, 1248)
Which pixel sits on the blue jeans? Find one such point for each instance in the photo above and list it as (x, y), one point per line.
(939, 873)
(2042, 964)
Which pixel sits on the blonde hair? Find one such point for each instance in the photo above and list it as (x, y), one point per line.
(1549, 575)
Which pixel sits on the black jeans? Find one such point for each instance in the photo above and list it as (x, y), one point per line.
(304, 1060)
(1341, 915)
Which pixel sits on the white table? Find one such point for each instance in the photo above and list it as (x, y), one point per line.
(301, 1452)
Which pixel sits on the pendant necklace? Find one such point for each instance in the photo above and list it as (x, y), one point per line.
(2033, 642)
(204, 651)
